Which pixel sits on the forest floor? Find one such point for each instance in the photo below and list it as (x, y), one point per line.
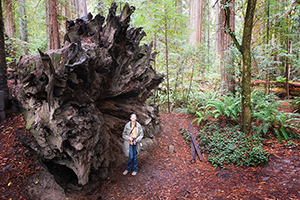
(163, 175)
(166, 175)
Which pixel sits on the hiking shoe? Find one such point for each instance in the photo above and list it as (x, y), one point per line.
(125, 172)
(134, 173)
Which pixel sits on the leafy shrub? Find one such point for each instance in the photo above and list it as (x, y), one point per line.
(201, 100)
(186, 135)
(296, 104)
(265, 108)
(230, 146)
(227, 106)
(221, 107)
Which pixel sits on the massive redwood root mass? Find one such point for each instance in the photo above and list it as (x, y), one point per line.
(77, 99)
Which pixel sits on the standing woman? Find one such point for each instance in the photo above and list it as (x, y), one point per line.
(132, 135)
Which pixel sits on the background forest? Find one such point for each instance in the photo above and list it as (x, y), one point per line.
(200, 47)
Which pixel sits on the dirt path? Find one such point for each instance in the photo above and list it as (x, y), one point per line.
(163, 175)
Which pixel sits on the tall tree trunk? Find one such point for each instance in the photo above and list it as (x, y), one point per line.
(246, 73)
(167, 56)
(208, 33)
(82, 8)
(49, 25)
(3, 79)
(227, 66)
(55, 25)
(245, 50)
(287, 66)
(268, 38)
(74, 8)
(23, 23)
(195, 22)
(9, 18)
(53, 41)
(218, 30)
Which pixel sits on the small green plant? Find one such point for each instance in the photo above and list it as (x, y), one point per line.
(291, 144)
(296, 104)
(230, 146)
(265, 108)
(227, 106)
(186, 135)
(201, 115)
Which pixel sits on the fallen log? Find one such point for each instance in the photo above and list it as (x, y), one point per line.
(194, 144)
(279, 87)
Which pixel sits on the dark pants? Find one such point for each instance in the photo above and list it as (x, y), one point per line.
(132, 159)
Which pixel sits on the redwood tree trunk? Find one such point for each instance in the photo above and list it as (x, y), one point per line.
(82, 7)
(218, 31)
(268, 38)
(227, 66)
(49, 25)
(287, 67)
(9, 18)
(196, 10)
(53, 41)
(23, 21)
(3, 78)
(55, 25)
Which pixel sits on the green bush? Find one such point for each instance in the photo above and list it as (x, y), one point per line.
(296, 104)
(265, 108)
(186, 135)
(219, 107)
(230, 146)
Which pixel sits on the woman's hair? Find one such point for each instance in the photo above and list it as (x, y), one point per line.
(132, 115)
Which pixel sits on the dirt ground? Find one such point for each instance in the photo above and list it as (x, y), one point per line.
(163, 175)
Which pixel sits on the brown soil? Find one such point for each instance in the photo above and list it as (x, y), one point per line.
(163, 175)
(15, 160)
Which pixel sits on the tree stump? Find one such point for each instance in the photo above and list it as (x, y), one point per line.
(77, 99)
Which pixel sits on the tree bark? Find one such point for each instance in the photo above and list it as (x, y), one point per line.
(218, 31)
(23, 24)
(246, 72)
(53, 41)
(268, 38)
(82, 8)
(23, 21)
(77, 99)
(3, 78)
(49, 25)
(245, 50)
(55, 25)
(167, 56)
(208, 33)
(287, 66)
(227, 66)
(196, 7)
(9, 18)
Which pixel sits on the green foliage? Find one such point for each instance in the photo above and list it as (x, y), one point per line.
(212, 104)
(201, 100)
(186, 135)
(227, 106)
(230, 146)
(265, 108)
(296, 104)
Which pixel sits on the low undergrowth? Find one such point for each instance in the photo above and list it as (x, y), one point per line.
(228, 145)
